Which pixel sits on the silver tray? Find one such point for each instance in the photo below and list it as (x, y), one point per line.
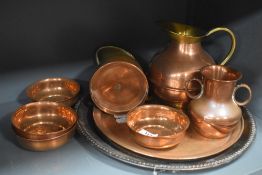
(87, 128)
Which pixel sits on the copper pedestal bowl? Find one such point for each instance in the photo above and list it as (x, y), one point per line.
(60, 90)
(42, 126)
(157, 126)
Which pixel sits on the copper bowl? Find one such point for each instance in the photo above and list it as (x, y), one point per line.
(60, 90)
(44, 121)
(157, 126)
(46, 144)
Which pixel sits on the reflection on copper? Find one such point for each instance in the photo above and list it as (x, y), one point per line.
(215, 113)
(119, 84)
(181, 61)
(40, 123)
(190, 48)
(60, 90)
(157, 126)
(45, 144)
(171, 69)
(192, 146)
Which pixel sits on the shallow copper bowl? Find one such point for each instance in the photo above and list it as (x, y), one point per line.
(157, 126)
(60, 90)
(46, 144)
(43, 120)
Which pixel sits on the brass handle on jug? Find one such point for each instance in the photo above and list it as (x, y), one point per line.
(233, 42)
(249, 97)
(187, 89)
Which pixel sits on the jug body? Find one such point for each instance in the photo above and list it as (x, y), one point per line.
(215, 112)
(173, 67)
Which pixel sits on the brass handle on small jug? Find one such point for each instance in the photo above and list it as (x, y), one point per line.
(233, 42)
(187, 89)
(249, 97)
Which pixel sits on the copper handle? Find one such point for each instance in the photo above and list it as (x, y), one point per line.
(249, 97)
(233, 42)
(187, 89)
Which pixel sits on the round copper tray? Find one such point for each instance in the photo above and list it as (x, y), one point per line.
(87, 128)
(193, 146)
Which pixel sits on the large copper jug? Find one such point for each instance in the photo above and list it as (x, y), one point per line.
(181, 61)
(215, 111)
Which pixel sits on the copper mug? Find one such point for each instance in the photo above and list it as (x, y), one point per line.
(215, 111)
(119, 84)
(182, 60)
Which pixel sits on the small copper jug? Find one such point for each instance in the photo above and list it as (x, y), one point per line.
(181, 61)
(214, 111)
(119, 84)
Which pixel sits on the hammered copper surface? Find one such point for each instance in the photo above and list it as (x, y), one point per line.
(193, 146)
(43, 120)
(60, 90)
(215, 112)
(119, 84)
(157, 126)
(181, 61)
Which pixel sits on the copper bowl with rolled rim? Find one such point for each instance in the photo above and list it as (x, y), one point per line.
(157, 126)
(44, 121)
(60, 90)
(119, 84)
